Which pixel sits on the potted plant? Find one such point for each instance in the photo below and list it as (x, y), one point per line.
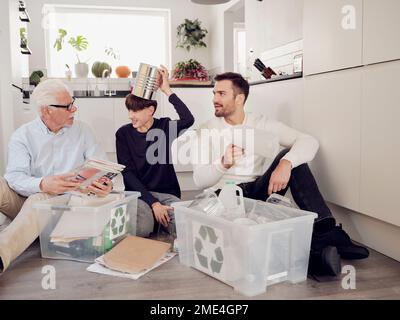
(191, 34)
(79, 44)
(35, 77)
(190, 70)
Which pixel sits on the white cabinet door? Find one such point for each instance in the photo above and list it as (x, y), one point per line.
(24, 113)
(380, 142)
(332, 35)
(381, 30)
(98, 113)
(120, 113)
(332, 115)
(273, 100)
(198, 100)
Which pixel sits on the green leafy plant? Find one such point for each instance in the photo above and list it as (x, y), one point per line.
(79, 43)
(22, 36)
(58, 44)
(112, 53)
(191, 34)
(35, 77)
(191, 69)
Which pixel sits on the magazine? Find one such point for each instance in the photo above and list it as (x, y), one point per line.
(94, 169)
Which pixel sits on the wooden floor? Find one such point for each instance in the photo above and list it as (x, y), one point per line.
(377, 277)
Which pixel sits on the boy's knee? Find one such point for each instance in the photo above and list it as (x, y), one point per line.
(145, 219)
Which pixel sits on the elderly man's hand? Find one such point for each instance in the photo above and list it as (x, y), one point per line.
(58, 184)
(101, 187)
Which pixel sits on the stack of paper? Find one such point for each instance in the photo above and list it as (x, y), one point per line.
(75, 225)
(132, 258)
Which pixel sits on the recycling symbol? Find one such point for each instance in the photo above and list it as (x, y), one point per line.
(208, 252)
(118, 222)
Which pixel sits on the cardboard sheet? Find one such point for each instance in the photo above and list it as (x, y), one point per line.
(135, 254)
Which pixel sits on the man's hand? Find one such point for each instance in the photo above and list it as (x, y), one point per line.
(161, 213)
(58, 184)
(163, 80)
(280, 177)
(232, 154)
(101, 187)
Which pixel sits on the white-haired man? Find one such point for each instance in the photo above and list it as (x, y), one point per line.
(41, 155)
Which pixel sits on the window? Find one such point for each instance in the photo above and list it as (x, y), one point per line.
(136, 35)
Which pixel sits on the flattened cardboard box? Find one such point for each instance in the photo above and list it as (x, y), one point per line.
(135, 254)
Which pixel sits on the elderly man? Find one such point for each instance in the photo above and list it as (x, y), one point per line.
(41, 155)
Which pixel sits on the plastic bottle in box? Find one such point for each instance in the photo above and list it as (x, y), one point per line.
(231, 197)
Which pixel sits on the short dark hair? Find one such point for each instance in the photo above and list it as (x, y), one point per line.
(240, 84)
(135, 103)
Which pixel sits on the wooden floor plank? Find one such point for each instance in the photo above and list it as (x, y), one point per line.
(377, 277)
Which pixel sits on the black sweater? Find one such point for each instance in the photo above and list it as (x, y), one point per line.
(145, 175)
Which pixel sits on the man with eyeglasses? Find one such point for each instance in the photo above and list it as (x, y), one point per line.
(41, 156)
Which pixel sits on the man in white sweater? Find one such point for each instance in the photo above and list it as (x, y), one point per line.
(245, 148)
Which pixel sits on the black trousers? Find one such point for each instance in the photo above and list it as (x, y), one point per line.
(302, 185)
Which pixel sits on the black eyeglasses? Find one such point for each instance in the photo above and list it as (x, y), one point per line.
(68, 106)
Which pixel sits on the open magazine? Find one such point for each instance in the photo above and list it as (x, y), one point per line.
(94, 169)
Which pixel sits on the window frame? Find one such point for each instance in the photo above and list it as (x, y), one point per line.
(163, 12)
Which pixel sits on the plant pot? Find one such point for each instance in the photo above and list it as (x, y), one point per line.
(81, 70)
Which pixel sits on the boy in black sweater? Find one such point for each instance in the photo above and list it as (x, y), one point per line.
(144, 147)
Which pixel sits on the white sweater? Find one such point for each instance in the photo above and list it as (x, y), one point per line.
(269, 135)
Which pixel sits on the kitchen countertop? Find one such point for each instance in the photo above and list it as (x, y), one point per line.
(278, 78)
(123, 93)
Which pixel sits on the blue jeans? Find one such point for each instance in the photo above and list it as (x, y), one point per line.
(146, 222)
(302, 185)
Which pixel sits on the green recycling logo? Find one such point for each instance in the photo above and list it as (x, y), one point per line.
(208, 248)
(118, 222)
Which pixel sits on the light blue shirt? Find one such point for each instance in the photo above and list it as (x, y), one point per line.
(35, 152)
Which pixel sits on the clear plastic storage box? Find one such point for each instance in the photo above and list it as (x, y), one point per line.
(82, 230)
(275, 247)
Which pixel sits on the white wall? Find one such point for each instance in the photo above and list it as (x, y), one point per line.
(10, 73)
(180, 9)
(217, 39)
(271, 24)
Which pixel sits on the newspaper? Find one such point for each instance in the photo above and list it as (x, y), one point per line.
(94, 169)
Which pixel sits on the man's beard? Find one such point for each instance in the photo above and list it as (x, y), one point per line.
(219, 112)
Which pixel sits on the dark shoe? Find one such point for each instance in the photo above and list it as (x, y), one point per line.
(340, 239)
(346, 248)
(325, 262)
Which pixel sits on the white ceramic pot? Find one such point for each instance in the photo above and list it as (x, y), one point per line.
(81, 70)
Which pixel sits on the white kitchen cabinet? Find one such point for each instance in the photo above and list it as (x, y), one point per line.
(98, 113)
(24, 113)
(381, 31)
(332, 115)
(330, 41)
(198, 100)
(120, 113)
(380, 142)
(272, 100)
